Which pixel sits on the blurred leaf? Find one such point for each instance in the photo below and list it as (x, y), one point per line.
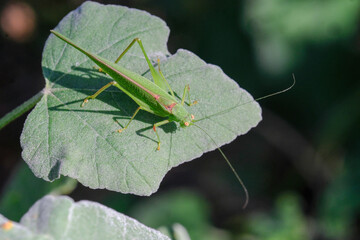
(281, 28)
(180, 232)
(59, 137)
(61, 218)
(287, 222)
(179, 207)
(339, 124)
(340, 205)
(24, 189)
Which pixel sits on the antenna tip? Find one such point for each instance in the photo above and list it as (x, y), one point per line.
(246, 199)
(293, 75)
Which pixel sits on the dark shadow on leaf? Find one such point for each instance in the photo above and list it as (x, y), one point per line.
(58, 107)
(62, 107)
(54, 172)
(177, 96)
(147, 71)
(91, 71)
(170, 127)
(88, 84)
(140, 131)
(88, 81)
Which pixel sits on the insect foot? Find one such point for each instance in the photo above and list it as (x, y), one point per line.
(85, 101)
(193, 103)
(98, 69)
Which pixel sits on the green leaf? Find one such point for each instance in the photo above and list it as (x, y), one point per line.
(179, 206)
(61, 138)
(60, 218)
(24, 189)
(283, 30)
(287, 222)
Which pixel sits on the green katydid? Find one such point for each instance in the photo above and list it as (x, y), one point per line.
(151, 96)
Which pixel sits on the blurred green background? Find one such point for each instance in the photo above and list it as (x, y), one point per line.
(301, 164)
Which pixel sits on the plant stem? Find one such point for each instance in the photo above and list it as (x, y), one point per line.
(20, 110)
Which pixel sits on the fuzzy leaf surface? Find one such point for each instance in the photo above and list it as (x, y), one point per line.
(56, 218)
(61, 138)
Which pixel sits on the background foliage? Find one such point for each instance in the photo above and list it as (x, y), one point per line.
(301, 164)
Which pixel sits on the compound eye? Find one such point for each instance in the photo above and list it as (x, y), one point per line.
(186, 123)
(192, 117)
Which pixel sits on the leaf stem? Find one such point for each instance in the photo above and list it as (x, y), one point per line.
(20, 110)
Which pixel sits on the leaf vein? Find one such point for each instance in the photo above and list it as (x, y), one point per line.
(96, 163)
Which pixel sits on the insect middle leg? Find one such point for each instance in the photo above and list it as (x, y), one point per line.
(98, 92)
(164, 79)
(122, 129)
(154, 126)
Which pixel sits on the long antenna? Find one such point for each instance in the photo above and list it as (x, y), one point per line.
(222, 153)
(253, 100)
(276, 93)
(231, 167)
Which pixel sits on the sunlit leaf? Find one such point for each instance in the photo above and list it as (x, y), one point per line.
(61, 138)
(57, 218)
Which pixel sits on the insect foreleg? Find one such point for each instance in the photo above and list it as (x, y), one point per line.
(152, 69)
(128, 48)
(164, 79)
(187, 91)
(98, 92)
(158, 78)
